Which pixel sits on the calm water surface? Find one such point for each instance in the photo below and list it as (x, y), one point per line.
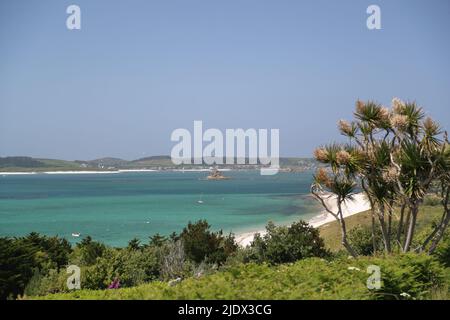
(115, 208)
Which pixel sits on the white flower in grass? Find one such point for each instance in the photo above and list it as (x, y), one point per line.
(354, 268)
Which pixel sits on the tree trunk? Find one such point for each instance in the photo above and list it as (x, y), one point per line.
(444, 224)
(374, 240)
(338, 216)
(384, 233)
(400, 223)
(372, 211)
(411, 227)
(344, 232)
(406, 225)
(389, 228)
(441, 224)
(440, 234)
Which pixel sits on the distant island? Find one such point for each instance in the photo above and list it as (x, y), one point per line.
(217, 175)
(157, 163)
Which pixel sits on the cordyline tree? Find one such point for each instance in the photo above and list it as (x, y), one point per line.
(394, 155)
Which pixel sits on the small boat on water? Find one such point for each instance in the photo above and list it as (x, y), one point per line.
(200, 201)
(76, 234)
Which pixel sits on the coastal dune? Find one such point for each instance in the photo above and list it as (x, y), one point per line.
(360, 203)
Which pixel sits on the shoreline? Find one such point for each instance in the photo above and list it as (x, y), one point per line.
(6, 173)
(357, 205)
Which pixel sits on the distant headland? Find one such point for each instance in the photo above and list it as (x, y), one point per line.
(154, 163)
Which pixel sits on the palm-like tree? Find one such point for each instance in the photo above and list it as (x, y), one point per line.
(396, 154)
(337, 184)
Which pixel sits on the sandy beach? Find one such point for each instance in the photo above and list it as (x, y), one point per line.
(349, 208)
(79, 172)
(5, 173)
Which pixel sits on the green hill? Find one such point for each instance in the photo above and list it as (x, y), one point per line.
(11, 164)
(20, 162)
(24, 164)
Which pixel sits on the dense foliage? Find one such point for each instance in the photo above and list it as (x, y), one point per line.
(22, 258)
(36, 264)
(366, 240)
(200, 243)
(286, 244)
(165, 268)
(411, 276)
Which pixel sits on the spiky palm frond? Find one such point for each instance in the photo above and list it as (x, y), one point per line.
(343, 187)
(381, 191)
(412, 157)
(443, 164)
(348, 129)
(431, 130)
(381, 154)
(329, 155)
(414, 115)
(356, 160)
(415, 167)
(365, 129)
(373, 114)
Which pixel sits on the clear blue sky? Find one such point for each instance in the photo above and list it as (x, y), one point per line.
(139, 69)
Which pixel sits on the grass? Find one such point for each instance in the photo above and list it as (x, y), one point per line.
(331, 232)
(312, 278)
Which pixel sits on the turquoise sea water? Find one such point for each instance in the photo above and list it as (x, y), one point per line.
(115, 208)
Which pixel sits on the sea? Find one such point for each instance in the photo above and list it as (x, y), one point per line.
(116, 207)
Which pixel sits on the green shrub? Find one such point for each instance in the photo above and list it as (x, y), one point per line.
(202, 244)
(287, 244)
(361, 239)
(52, 251)
(414, 274)
(87, 251)
(131, 267)
(53, 282)
(17, 263)
(403, 276)
(21, 258)
(157, 240)
(443, 250)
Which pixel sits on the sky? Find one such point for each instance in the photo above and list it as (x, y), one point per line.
(137, 70)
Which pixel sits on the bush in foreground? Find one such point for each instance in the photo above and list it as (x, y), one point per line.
(202, 244)
(410, 276)
(283, 244)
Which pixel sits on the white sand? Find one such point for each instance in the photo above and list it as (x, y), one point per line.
(79, 172)
(14, 173)
(198, 170)
(106, 171)
(349, 208)
(137, 170)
